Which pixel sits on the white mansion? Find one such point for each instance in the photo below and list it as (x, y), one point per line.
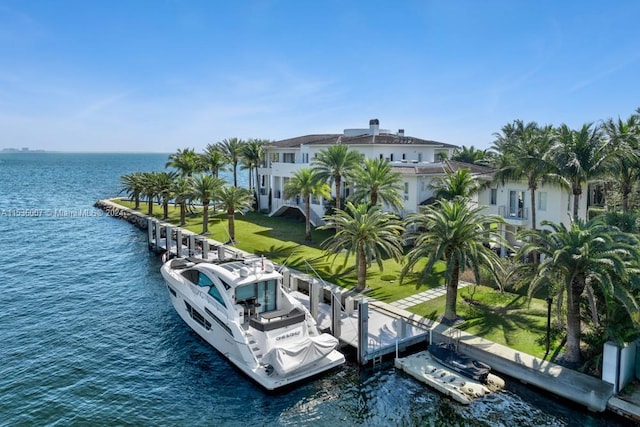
(418, 161)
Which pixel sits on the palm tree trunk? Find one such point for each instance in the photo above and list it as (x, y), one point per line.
(257, 188)
(338, 195)
(307, 214)
(165, 209)
(577, 191)
(235, 175)
(232, 225)
(136, 198)
(205, 216)
(450, 314)
(533, 208)
(362, 270)
(183, 213)
(150, 205)
(572, 352)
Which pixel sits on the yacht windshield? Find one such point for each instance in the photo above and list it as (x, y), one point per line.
(262, 293)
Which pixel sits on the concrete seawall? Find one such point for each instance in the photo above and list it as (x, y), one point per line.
(585, 390)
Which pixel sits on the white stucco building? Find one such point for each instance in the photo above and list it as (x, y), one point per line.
(417, 160)
(512, 201)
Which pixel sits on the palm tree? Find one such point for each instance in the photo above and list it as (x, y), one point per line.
(234, 199)
(579, 155)
(205, 188)
(214, 159)
(452, 230)
(525, 149)
(471, 155)
(133, 185)
(460, 183)
(186, 161)
(333, 164)
(183, 193)
(165, 184)
(252, 154)
(623, 163)
(306, 183)
(584, 255)
(367, 232)
(150, 189)
(375, 181)
(232, 150)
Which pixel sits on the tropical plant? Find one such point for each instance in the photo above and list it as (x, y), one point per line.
(186, 161)
(471, 155)
(232, 150)
(205, 189)
(252, 155)
(133, 185)
(460, 183)
(150, 189)
(306, 183)
(623, 163)
(214, 159)
(366, 232)
(234, 199)
(375, 181)
(579, 156)
(183, 193)
(454, 231)
(165, 184)
(525, 150)
(335, 163)
(584, 258)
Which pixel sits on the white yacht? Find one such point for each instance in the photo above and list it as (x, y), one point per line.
(242, 310)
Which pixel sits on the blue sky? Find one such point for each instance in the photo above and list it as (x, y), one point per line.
(122, 75)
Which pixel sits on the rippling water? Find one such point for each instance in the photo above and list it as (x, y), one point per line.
(88, 335)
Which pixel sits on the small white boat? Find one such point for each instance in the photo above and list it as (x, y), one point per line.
(424, 367)
(242, 310)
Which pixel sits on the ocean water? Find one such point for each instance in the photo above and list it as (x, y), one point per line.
(88, 335)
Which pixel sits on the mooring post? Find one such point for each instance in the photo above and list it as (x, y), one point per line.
(336, 315)
(314, 296)
(168, 238)
(205, 248)
(156, 247)
(179, 242)
(149, 233)
(363, 331)
(221, 253)
(191, 244)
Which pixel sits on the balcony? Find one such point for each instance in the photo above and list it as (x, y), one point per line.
(513, 215)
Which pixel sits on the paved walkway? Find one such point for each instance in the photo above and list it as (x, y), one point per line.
(425, 296)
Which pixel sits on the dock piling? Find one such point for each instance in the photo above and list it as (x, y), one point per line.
(179, 242)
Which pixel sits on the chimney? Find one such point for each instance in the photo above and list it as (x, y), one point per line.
(374, 127)
(400, 132)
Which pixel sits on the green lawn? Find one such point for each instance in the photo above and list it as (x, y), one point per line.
(503, 318)
(281, 240)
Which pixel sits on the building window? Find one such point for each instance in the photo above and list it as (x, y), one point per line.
(406, 191)
(391, 157)
(305, 158)
(275, 157)
(494, 196)
(288, 158)
(381, 156)
(542, 201)
(404, 156)
(419, 157)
